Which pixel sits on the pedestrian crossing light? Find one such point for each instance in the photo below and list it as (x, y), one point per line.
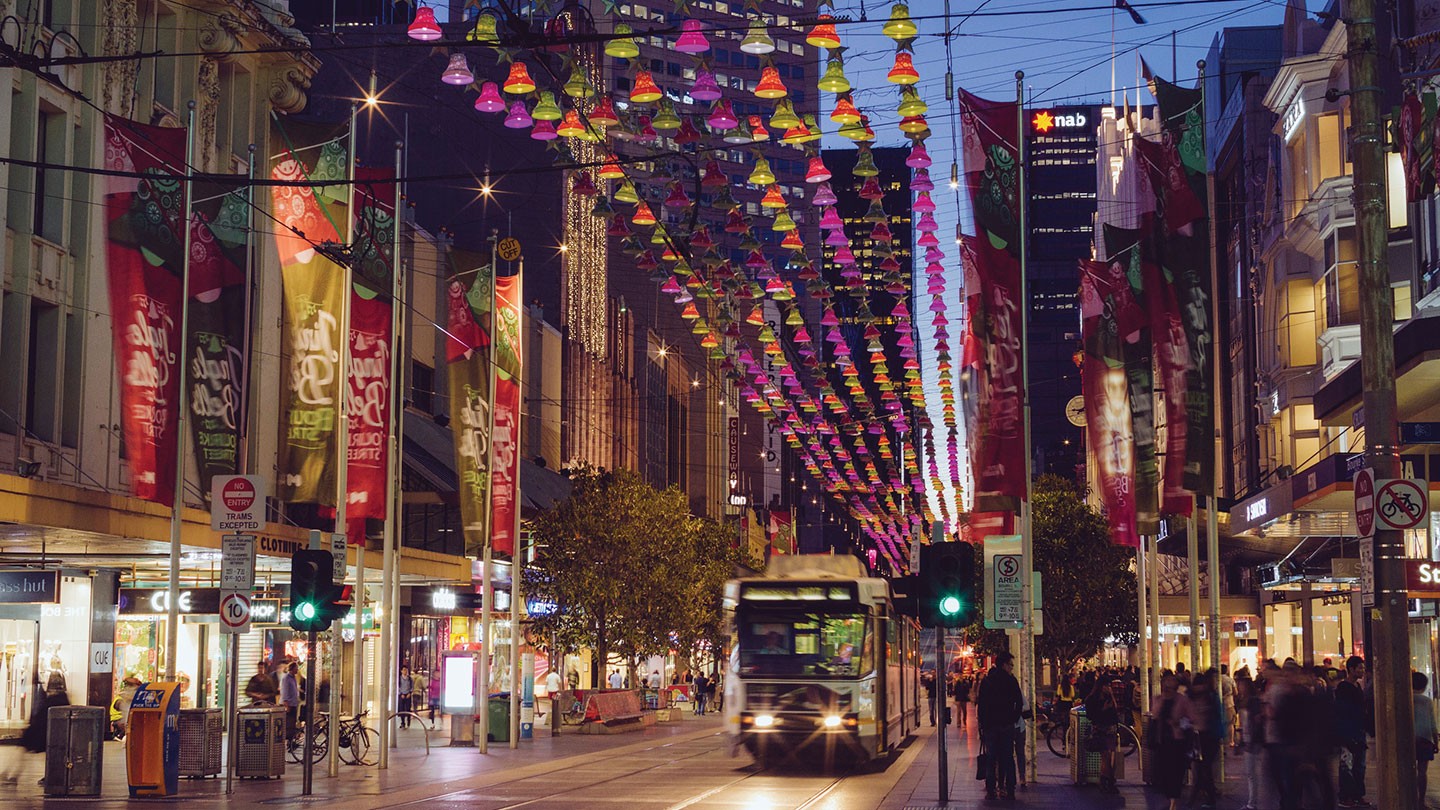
(947, 585)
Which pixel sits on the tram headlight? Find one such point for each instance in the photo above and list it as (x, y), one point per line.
(764, 720)
(833, 720)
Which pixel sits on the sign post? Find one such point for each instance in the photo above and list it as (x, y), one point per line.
(237, 504)
(1004, 584)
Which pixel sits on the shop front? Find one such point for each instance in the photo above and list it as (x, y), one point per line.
(1311, 622)
(1238, 630)
(142, 638)
(440, 618)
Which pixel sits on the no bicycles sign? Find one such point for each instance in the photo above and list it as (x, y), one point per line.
(1401, 503)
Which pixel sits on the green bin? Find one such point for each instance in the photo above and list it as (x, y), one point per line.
(499, 720)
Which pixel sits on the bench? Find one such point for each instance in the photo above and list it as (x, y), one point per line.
(609, 711)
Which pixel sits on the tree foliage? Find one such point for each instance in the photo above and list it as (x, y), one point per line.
(630, 571)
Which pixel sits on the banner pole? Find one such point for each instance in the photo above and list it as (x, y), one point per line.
(247, 450)
(517, 548)
(389, 671)
(1144, 609)
(487, 601)
(1027, 553)
(182, 404)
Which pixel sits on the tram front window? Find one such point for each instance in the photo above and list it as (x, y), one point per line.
(814, 644)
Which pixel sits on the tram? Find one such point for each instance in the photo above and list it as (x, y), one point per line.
(820, 666)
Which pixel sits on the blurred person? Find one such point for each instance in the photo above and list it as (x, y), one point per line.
(1352, 713)
(35, 738)
(1208, 714)
(290, 697)
(1171, 738)
(1104, 716)
(1425, 741)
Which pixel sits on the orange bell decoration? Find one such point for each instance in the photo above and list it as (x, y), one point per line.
(845, 112)
(645, 90)
(611, 170)
(519, 82)
(758, 132)
(904, 71)
(823, 34)
(774, 198)
(571, 126)
(770, 85)
(792, 241)
(643, 215)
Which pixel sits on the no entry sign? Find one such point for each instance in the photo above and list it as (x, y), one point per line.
(237, 503)
(1365, 502)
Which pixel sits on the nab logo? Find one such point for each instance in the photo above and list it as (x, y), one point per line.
(1044, 121)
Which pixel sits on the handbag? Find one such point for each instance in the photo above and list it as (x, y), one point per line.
(982, 764)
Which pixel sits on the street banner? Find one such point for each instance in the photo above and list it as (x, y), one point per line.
(1106, 303)
(1123, 315)
(467, 350)
(782, 531)
(144, 251)
(1416, 141)
(506, 497)
(371, 343)
(990, 136)
(1176, 166)
(315, 159)
(215, 373)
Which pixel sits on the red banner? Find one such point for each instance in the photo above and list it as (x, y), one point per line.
(145, 223)
(782, 531)
(505, 500)
(1105, 303)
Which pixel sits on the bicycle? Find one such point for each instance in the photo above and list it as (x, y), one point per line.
(357, 741)
(295, 745)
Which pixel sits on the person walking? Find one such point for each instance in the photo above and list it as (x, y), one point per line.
(1227, 701)
(290, 698)
(998, 707)
(1208, 711)
(35, 738)
(1104, 716)
(1352, 711)
(962, 701)
(1171, 727)
(405, 696)
(700, 687)
(1251, 738)
(1425, 740)
(927, 680)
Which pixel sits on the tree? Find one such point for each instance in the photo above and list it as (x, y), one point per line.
(714, 557)
(1087, 582)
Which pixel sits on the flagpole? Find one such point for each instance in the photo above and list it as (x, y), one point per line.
(1027, 540)
(388, 669)
(182, 404)
(487, 600)
(247, 452)
(342, 474)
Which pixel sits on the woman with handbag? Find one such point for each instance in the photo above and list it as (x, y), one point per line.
(1170, 736)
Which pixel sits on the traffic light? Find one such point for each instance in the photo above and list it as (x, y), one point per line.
(904, 593)
(948, 595)
(312, 590)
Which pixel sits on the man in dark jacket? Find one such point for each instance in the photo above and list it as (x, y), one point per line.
(1352, 711)
(998, 707)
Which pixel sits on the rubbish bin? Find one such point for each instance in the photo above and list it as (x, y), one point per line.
(1084, 763)
(499, 730)
(262, 742)
(73, 759)
(201, 733)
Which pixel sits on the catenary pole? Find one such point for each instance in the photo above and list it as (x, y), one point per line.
(487, 575)
(1390, 654)
(385, 683)
(182, 404)
(1027, 539)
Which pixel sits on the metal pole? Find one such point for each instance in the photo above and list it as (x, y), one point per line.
(388, 669)
(1152, 570)
(1192, 554)
(357, 693)
(517, 565)
(182, 404)
(1144, 611)
(1212, 568)
(940, 714)
(308, 765)
(1390, 656)
(1027, 540)
(487, 601)
(233, 748)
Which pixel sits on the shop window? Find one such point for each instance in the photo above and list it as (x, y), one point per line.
(1404, 301)
(1396, 204)
(44, 373)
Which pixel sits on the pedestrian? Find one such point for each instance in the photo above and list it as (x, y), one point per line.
(716, 699)
(405, 696)
(261, 688)
(1104, 716)
(1351, 719)
(432, 698)
(998, 708)
(962, 700)
(616, 680)
(1425, 740)
(699, 687)
(1251, 738)
(290, 698)
(927, 680)
(1018, 739)
(1227, 698)
(653, 682)
(35, 738)
(1208, 714)
(1171, 728)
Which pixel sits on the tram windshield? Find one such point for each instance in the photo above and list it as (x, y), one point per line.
(815, 644)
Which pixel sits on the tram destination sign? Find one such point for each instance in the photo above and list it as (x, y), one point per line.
(797, 592)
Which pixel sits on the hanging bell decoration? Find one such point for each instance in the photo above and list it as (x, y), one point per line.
(770, 85)
(823, 195)
(604, 113)
(643, 215)
(665, 120)
(865, 164)
(915, 126)
(796, 135)
(626, 193)
(688, 133)
(822, 34)
(705, 87)
(546, 109)
(784, 117)
(582, 184)
(543, 131)
(458, 71)
(834, 79)
(722, 116)
(677, 198)
(423, 27)
(783, 223)
(571, 126)
(817, 171)
(692, 38)
(900, 27)
(904, 70)
(910, 103)
(919, 157)
(713, 176)
(758, 132)
(486, 30)
(602, 207)
(611, 170)
(757, 40)
(761, 175)
(578, 85)
(774, 198)
(845, 112)
(490, 100)
(519, 117)
(519, 83)
(622, 46)
(645, 90)
(618, 227)
(737, 136)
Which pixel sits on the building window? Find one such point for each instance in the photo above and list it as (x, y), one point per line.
(1299, 186)
(50, 183)
(1297, 325)
(1342, 279)
(43, 370)
(422, 387)
(1330, 146)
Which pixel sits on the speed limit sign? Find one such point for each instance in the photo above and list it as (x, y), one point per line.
(235, 613)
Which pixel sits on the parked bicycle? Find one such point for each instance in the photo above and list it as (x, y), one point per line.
(359, 744)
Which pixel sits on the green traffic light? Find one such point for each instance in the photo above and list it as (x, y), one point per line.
(305, 611)
(950, 606)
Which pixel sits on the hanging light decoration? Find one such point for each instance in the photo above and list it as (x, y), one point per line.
(458, 71)
(758, 132)
(626, 193)
(796, 135)
(688, 133)
(918, 158)
(757, 40)
(665, 120)
(611, 170)
(519, 83)
(643, 215)
(423, 27)
(834, 80)
(705, 87)
(578, 85)
(604, 113)
(761, 175)
(865, 164)
(486, 30)
(845, 112)
(546, 109)
(770, 85)
(582, 184)
(783, 223)
(914, 125)
(571, 126)
(904, 70)
(543, 131)
(692, 38)
(774, 198)
(784, 117)
(817, 171)
(622, 46)
(489, 100)
(900, 27)
(518, 118)
(722, 116)
(822, 34)
(645, 90)
(910, 103)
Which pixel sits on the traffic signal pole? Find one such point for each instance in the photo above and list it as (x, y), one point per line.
(1390, 651)
(943, 715)
(308, 766)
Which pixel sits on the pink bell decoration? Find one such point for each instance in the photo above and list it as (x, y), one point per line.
(671, 286)
(830, 220)
(921, 181)
(647, 132)
(919, 158)
(923, 203)
(705, 88)
(692, 38)
(927, 239)
(713, 176)
(871, 189)
(582, 184)
(837, 238)
(687, 133)
(519, 117)
(927, 223)
(458, 71)
(423, 27)
(824, 195)
(490, 100)
(881, 233)
(844, 256)
(677, 198)
(722, 116)
(543, 131)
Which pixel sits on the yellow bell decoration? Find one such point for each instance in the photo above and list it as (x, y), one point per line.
(626, 193)
(757, 41)
(623, 46)
(794, 318)
(865, 164)
(484, 30)
(854, 131)
(900, 26)
(546, 109)
(761, 174)
(834, 80)
(814, 128)
(784, 117)
(666, 119)
(783, 223)
(911, 104)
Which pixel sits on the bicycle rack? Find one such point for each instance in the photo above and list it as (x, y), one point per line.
(423, 725)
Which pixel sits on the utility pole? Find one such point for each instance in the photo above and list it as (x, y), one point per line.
(1390, 653)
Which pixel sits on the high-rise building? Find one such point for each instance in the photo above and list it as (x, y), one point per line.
(1061, 144)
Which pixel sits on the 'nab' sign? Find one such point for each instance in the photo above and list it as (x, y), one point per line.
(237, 503)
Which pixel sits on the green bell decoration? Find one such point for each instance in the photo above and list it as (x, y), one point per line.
(602, 207)
(623, 46)
(900, 27)
(627, 194)
(761, 175)
(865, 164)
(485, 30)
(876, 213)
(784, 117)
(546, 109)
(911, 104)
(834, 80)
(665, 120)
(578, 85)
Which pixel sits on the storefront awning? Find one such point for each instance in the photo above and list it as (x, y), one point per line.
(1417, 377)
